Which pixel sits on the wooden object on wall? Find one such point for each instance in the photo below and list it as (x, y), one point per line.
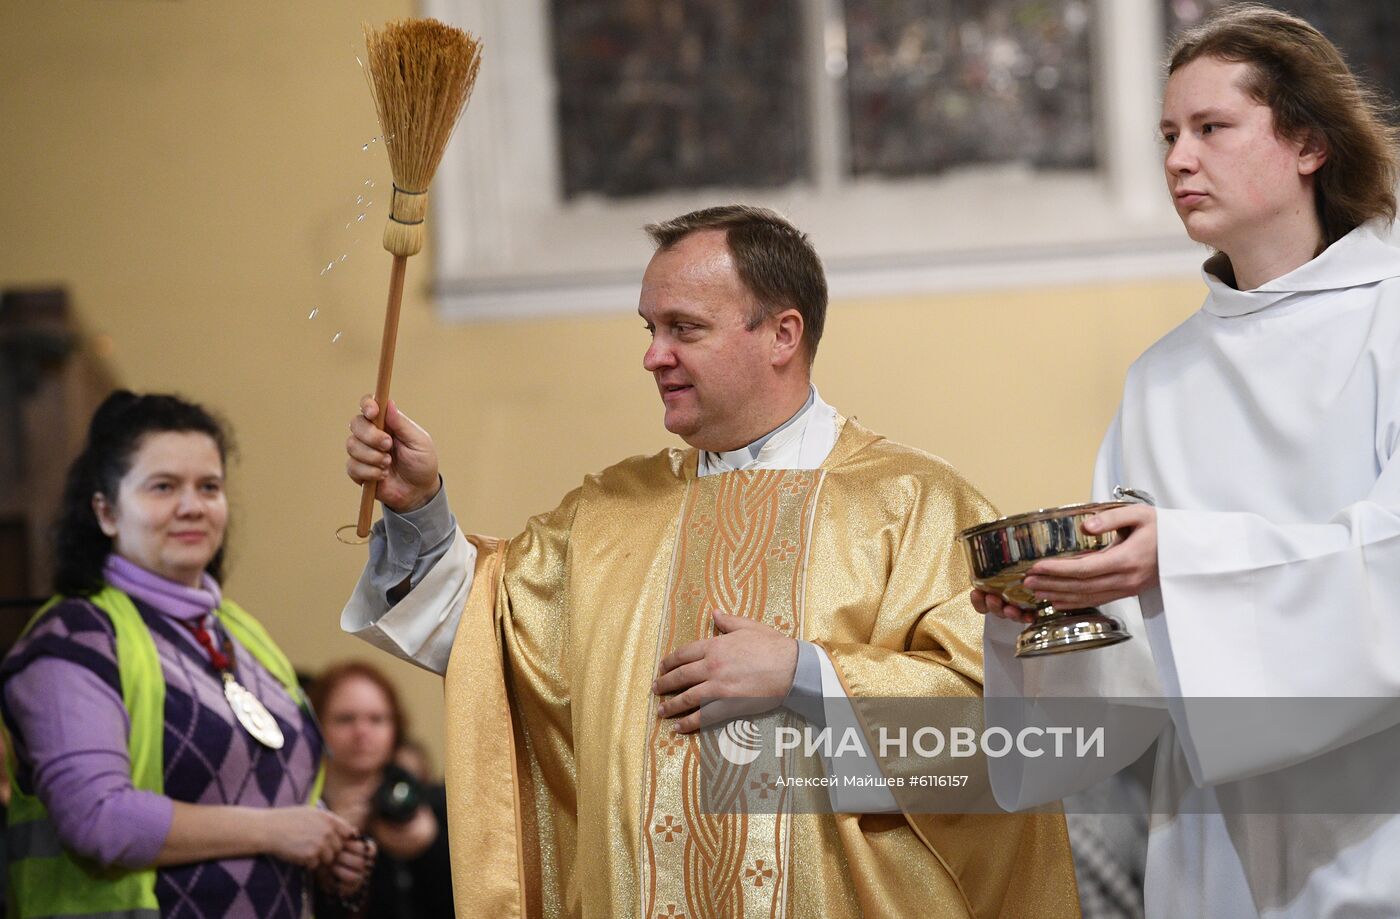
(52, 378)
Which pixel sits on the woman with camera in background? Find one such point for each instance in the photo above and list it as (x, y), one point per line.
(364, 726)
(163, 758)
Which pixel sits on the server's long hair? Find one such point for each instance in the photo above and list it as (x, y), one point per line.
(1304, 80)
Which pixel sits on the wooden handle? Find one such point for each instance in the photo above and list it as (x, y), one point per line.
(381, 385)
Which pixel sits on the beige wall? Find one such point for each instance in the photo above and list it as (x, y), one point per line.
(186, 168)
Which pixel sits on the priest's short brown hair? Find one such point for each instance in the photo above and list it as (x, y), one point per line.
(775, 261)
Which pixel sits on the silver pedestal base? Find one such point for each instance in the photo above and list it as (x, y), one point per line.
(1055, 633)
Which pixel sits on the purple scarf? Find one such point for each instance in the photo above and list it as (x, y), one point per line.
(174, 600)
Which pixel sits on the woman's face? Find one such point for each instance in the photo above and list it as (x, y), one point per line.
(359, 726)
(170, 510)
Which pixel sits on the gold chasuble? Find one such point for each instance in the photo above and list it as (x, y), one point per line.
(568, 796)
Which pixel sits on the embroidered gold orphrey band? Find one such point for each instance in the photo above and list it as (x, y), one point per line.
(741, 548)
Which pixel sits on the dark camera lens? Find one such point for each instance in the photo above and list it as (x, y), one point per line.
(398, 797)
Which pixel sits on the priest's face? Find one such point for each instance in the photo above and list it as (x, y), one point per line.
(713, 367)
(1233, 179)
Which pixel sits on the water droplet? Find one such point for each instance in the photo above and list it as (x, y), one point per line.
(335, 338)
(365, 148)
(360, 62)
(329, 266)
(347, 226)
(360, 219)
(359, 199)
(369, 204)
(313, 313)
(345, 256)
(369, 183)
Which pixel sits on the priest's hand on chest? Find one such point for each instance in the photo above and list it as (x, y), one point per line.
(746, 669)
(1124, 569)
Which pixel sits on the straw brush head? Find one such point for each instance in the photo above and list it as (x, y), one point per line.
(421, 73)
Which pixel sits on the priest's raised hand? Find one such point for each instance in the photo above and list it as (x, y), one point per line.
(401, 458)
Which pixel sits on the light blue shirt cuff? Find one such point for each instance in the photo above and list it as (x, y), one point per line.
(404, 547)
(804, 699)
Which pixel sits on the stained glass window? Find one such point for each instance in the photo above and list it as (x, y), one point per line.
(934, 84)
(661, 95)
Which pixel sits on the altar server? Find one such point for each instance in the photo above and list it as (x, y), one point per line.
(1267, 427)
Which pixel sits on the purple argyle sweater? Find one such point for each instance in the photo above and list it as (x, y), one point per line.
(69, 656)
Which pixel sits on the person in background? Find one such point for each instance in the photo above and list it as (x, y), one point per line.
(405, 818)
(162, 759)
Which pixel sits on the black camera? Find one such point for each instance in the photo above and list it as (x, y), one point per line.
(398, 796)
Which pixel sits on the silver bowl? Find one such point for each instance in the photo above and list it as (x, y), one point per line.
(1002, 551)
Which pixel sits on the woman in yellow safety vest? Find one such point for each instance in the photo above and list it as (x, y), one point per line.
(163, 758)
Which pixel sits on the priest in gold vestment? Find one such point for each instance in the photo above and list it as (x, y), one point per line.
(790, 554)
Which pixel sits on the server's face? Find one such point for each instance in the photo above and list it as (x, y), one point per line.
(1232, 178)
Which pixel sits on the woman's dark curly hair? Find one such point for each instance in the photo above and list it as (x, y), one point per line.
(114, 435)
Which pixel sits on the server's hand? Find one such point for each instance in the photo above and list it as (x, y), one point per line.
(1125, 569)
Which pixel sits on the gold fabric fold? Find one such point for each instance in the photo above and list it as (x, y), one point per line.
(480, 766)
(559, 782)
(920, 637)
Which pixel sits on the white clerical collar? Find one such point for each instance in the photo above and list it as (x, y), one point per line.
(801, 442)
